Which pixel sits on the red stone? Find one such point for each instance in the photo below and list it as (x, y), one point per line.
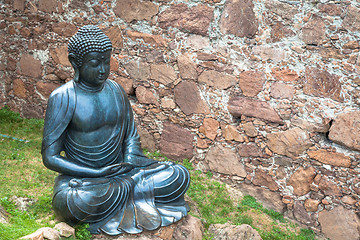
(155, 40)
(176, 142)
(30, 110)
(263, 179)
(291, 143)
(127, 84)
(138, 70)
(187, 67)
(60, 56)
(238, 18)
(280, 31)
(45, 89)
(282, 90)
(47, 6)
(147, 140)
(216, 79)
(11, 64)
(19, 4)
(163, 73)
(25, 32)
(351, 21)
(345, 131)
(301, 215)
(19, 88)
(332, 158)
(331, 9)
(301, 180)
(224, 160)
(251, 82)
(311, 205)
(231, 133)
(130, 10)
(328, 187)
(209, 128)
(339, 223)
(313, 32)
(351, 45)
(115, 35)
(238, 106)
(146, 96)
(188, 98)
(321, 83)
(285, 75)
(281, 9)
(64, 29)
(249, 150)
(29, 66)
(194, 19)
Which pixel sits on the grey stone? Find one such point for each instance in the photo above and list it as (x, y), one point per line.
(189, 228)
(22, 203)
(230, 232)
(65, 230)
(3, 215)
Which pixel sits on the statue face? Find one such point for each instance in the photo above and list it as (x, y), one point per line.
(95, 68)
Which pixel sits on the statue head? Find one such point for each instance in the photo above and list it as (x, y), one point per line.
(88, 40)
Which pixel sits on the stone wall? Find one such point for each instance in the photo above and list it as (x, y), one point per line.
(263, 93)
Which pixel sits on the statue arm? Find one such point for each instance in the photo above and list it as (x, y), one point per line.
(54, 161)
(132, 149)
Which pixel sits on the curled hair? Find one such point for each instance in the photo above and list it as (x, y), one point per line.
(88, 39)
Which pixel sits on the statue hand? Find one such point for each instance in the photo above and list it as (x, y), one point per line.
(116, 169)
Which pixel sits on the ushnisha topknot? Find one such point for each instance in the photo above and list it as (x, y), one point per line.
(89, 38)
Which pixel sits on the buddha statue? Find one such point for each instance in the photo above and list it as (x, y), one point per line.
(91, 140)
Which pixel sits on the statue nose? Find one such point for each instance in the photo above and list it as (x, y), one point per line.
(102, 68)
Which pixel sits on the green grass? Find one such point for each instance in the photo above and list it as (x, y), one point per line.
(22, 174)
(214, 205)
(82, 233)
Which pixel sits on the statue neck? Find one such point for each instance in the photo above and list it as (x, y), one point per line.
(88, 88)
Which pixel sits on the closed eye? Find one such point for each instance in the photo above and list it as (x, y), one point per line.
(94, 62)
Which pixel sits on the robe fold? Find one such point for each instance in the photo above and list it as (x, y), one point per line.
(147, 197)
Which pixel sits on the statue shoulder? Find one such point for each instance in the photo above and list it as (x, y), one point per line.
(65, 89)
(114, 84)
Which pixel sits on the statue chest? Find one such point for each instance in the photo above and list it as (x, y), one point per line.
(95, 116)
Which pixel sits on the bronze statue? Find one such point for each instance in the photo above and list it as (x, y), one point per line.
(104, 178)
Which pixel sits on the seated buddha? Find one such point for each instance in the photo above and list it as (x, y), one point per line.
(90, 139)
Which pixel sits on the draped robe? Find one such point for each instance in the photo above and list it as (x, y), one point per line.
(147, 197)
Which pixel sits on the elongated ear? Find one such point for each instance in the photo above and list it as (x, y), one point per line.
(72, 60)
